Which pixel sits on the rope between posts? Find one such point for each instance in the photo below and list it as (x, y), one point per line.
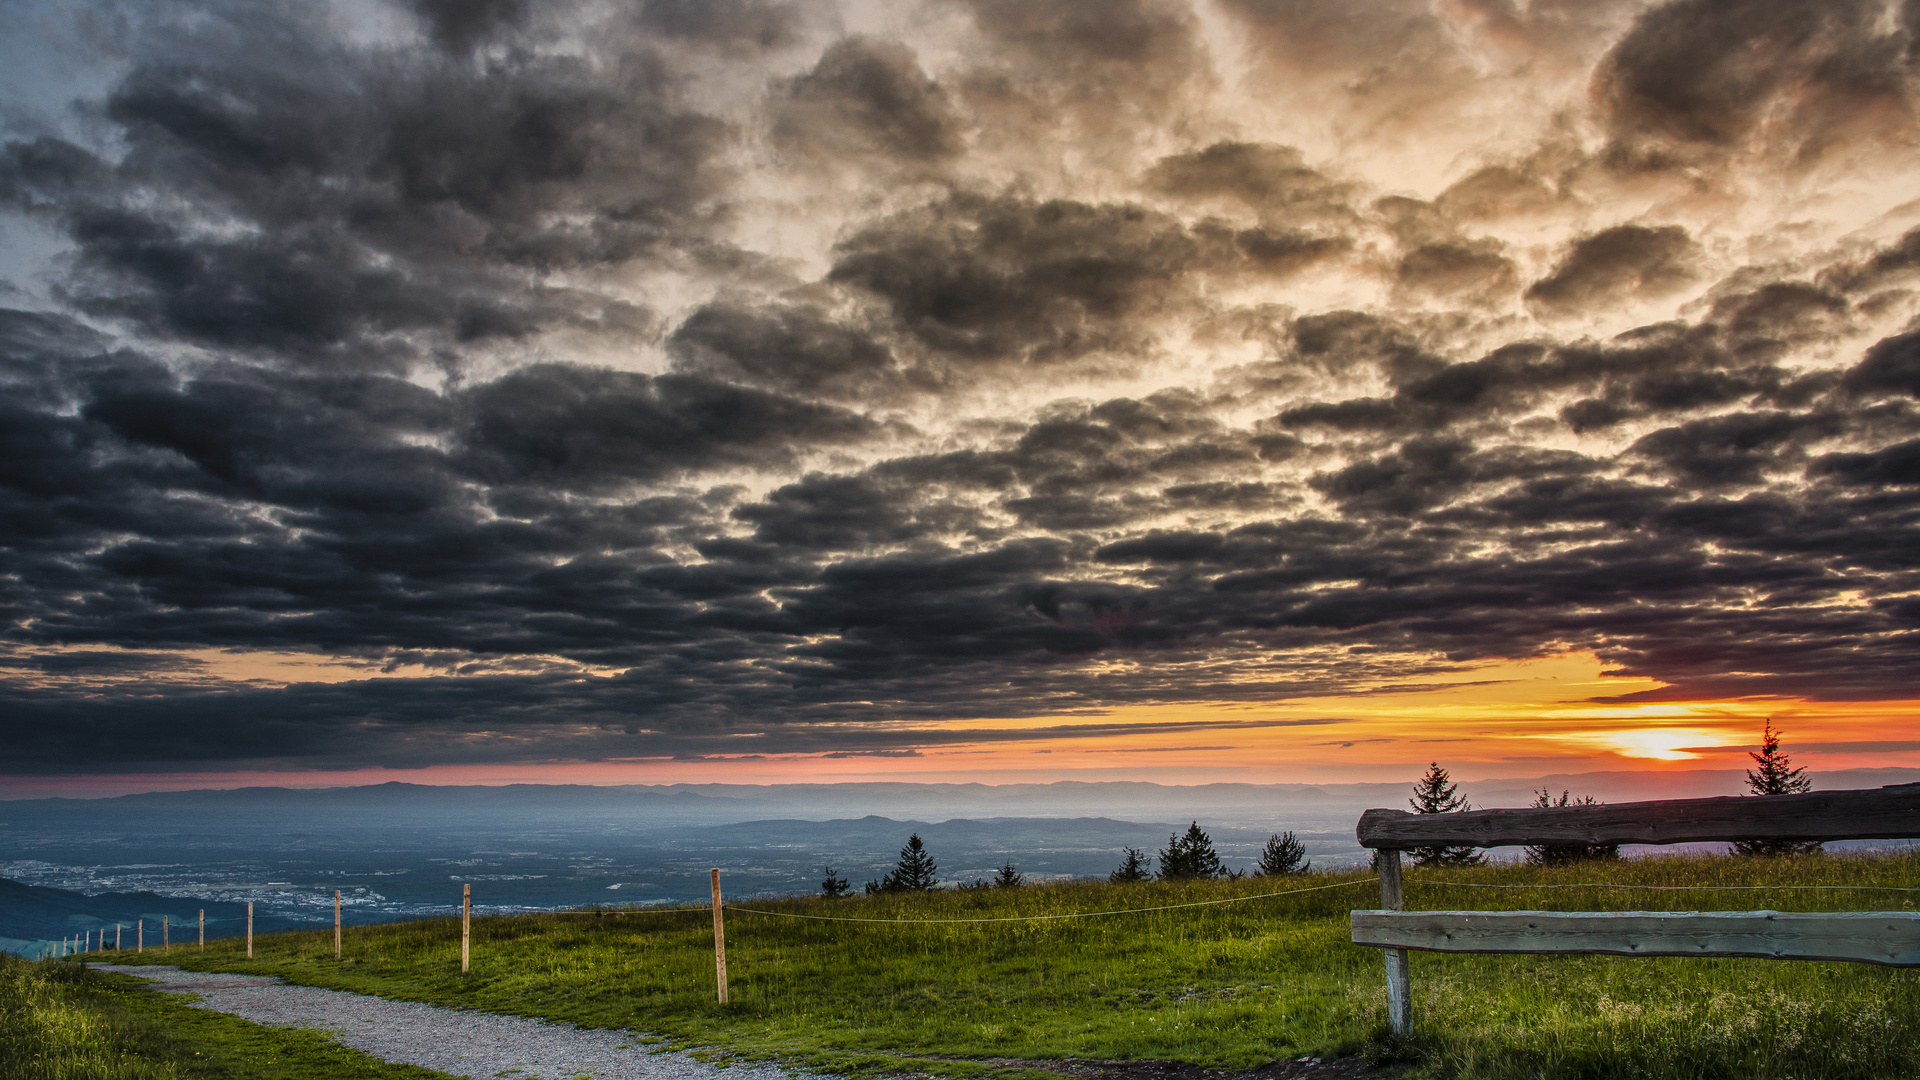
(1067, 915)
(1663, 888)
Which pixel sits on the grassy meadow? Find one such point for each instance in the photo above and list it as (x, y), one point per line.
(1231, 986)
(60, 1021)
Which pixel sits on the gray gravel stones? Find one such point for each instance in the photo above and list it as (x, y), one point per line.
(453, 1041)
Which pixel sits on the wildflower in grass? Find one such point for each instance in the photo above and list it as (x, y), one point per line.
(1132, 868)
(1563, 854)
(1284, 854)
(1435, 793)
(915, 872)
(1775, 775)
(1189, 855)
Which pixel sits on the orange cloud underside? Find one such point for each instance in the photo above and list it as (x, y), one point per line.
(1506, 718)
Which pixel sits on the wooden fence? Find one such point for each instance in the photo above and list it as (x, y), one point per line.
(1874, 937)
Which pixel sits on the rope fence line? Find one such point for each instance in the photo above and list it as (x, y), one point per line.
(1665, 888)
(1065, 915)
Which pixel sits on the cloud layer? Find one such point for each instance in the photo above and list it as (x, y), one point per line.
(629, 379)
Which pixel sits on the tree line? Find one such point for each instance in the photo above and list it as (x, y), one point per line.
(1191, 855)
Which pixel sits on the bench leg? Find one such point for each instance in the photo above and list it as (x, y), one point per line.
(1399, 993)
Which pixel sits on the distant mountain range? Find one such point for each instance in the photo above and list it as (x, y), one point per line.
(683, 804)
(406, 850)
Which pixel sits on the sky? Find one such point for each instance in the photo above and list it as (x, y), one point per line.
(1276, 390)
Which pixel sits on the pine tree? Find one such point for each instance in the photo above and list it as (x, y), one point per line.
(1284, 854)
(915, 872)
(834, 885)
(1009, 878)
(1563, 854)
(1189, 856)
(1436, 794)
(1133, 868)
(1775, 775)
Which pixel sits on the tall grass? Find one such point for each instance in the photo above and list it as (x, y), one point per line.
(1229, 986)
(54, 1025)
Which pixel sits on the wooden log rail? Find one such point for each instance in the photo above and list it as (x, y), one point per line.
(1872, 937)
(1891, 938)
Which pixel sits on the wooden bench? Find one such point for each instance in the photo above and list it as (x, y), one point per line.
(1873, 937)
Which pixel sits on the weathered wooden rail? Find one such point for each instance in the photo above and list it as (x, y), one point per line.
(1874, 937)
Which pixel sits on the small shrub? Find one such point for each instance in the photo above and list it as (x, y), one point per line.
(1284, 854)
(834, 885)
(915, 872)
(1776, 775)
(1132, 869)
(1435, 793)
(1189, 855)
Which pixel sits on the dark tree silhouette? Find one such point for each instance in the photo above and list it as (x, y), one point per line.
(834, 885)
(1132, 868)
(1775, 774)
(1284, 854)
(915, 872)
(1009, 878)
(1563, 854)
(1435, 794)
(1189, 855)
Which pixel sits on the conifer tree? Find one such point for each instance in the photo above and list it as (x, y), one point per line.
(1775, 775)
(1189, 855)
(915, 872)
(1435, 793)
(1133, 868)
(1563, 854)
(834, 885)
(1009, 878)
(1284, 854)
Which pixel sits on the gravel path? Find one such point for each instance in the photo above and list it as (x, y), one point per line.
(452, 1041)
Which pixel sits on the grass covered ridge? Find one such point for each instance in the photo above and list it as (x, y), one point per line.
(1231, 986)
(61, 1021)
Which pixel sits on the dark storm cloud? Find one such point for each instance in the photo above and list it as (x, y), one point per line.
(1654, 371)
(282, 194)
(460, 24)
(1696, 80)
(573, 426)
(790, 348)
(439, 354)
(868, 99)
(1102, 64)
(1890, 367)
(1626, 262)
(994, 280)
(1274, 181)
(760, 24)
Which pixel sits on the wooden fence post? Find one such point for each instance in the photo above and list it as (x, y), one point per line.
(249, 929)
(166, 933)
(719, 941)
(336, 924)
(1399, 990)
(466, 924)
(203, 929)
(139, 936)
(116, 937)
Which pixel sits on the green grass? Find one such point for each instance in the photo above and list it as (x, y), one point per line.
(1231, 986)
(60, 1021)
